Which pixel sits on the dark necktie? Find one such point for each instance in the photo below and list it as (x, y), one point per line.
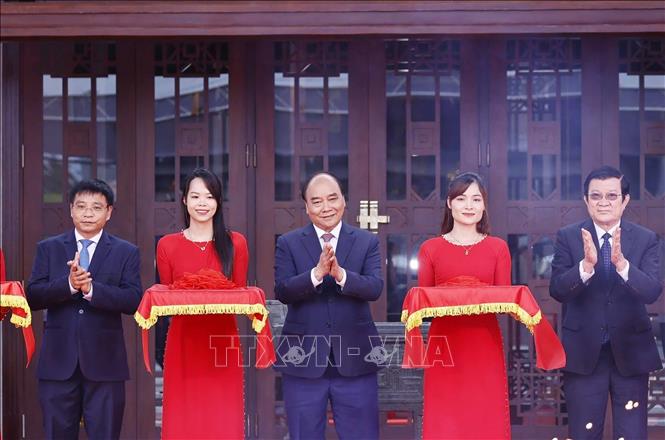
(327, 237)
(605, 255)
(84, 256)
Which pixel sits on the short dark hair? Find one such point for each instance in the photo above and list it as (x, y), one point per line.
(607, 172)
(458, 186)
(93, 186)
(305, 185)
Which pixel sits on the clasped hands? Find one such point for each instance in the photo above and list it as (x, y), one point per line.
(591, 254)
(328, 265)
(79, 278)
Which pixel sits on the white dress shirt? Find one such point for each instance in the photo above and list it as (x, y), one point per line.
(585, 276)
(91, 252)
(333, 242)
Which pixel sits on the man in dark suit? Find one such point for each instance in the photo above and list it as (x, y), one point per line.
(605, 270)
(327, 272)
(85, 278)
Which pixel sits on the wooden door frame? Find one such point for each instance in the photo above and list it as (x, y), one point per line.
(283, 17)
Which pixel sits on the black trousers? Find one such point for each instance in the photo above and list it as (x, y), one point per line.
(586, 399)
(65, 402)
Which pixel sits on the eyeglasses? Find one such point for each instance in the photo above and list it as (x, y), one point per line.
(96, 209)
(610, 197)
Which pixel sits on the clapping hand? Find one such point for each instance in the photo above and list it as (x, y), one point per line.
(325, 261)
(590, 252)
(79, 278)
(336, 270)
(616, 256)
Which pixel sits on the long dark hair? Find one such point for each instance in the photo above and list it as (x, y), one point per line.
(456, 187)
(221, 235)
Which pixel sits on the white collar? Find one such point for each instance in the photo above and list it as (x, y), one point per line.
(600, 231)
(335, 231)
(94, 239)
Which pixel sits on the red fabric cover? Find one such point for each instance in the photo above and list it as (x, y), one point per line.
(14, 289)
(549, 351)
(159, 295)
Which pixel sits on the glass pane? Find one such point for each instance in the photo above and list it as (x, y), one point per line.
(309, 165)
(218, 131)
(571, 135)
(396, 274)
(284, 127)
(543, 253)
(517, 135)
(106, 131)
(79, 99)
(395, 136)
(165, 184)
(52, 139)
(187, 165)
(654, 98)
(423, 175)
(543, 170)
(338, 128)
(543, 97)
(629, 130)
(654, 174)
(78, 168)
(422, 98)
(413, 260)
(311, 99)
(519, 254)
(192, 99)
(449, 93)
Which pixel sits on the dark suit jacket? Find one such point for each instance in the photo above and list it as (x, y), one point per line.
(327, 315)
(78, 331)
(587, 308)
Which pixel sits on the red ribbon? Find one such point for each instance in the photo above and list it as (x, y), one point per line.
(11, 290)
(160, 295)
(549, 351)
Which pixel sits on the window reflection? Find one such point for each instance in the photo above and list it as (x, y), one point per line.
(311, 91)
(218, 130)
(79, 102)
(396, 274)
(542, 255)
(517, 135)
(106, 130)
(396, 136)
(422, 98)
(165, 139)
(52, 135)
(654, 174)
(78, 168)
(519, 254)
(284, 125)
(629, 129)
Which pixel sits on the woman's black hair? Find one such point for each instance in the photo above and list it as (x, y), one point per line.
(458, 186)
(221, 235)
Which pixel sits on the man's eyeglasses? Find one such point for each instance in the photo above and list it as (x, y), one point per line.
(96, 209)
(610, 197)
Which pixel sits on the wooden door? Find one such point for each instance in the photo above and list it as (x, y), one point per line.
(191, 107)
(78, 122)
(324, 101)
